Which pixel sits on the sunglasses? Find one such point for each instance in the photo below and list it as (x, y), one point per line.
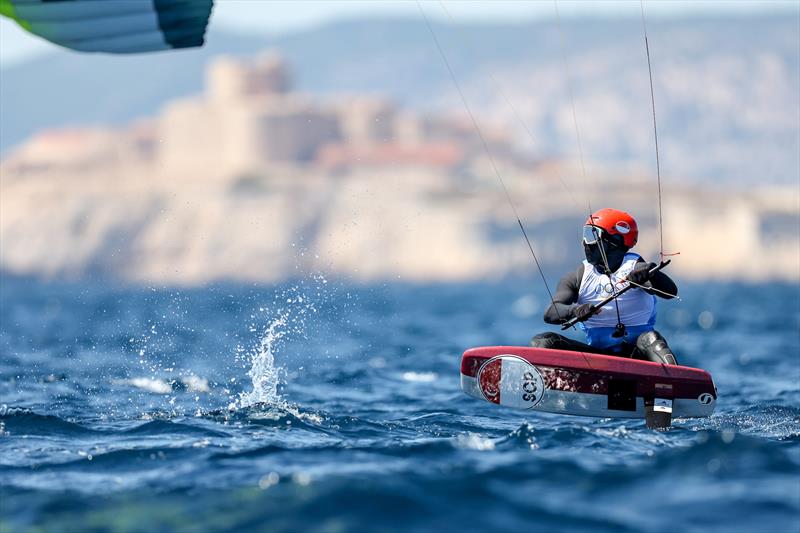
(593, 234)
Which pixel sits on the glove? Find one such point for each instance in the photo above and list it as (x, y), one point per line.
(584, 311)
(641, 273)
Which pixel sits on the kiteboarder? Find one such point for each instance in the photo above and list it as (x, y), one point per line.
(626, 326)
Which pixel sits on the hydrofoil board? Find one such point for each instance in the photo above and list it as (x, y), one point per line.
(577, 383)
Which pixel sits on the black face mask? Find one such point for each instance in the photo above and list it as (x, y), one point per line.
(614, 250)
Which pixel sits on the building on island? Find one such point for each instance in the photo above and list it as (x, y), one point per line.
(249, 118)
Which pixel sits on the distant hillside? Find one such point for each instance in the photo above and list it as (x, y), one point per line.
(726, 89)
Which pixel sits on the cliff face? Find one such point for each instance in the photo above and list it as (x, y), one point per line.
(251, 181)
(260, 228)
(416, 225)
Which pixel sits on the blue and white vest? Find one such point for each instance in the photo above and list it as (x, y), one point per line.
(637, 309)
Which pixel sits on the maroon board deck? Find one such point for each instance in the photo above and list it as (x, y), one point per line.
(578, 383)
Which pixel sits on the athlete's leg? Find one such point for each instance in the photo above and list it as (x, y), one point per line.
(554, 341)
(651, 346)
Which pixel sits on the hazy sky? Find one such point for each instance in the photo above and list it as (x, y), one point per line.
(278, 16)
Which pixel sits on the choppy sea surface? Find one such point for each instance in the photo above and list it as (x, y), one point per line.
(320, 406)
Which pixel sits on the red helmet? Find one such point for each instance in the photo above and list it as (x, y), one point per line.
(615, 222)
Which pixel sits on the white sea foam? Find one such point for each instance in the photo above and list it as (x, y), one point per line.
(191, 383)
(473, 441)
(196, 383)
(421, 377)
(157, 386)
(525, 306)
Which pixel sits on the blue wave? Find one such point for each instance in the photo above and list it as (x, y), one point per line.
(364, 426)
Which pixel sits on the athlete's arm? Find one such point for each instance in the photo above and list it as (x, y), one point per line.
(563, 305)
(660, 284)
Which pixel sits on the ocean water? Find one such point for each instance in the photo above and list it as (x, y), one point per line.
(321, 406)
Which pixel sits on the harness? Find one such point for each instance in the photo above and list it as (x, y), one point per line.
(636, 307)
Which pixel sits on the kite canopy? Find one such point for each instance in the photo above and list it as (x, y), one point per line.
(114, 26)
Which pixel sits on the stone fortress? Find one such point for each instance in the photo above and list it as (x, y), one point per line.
(249, 119)
(254, 181)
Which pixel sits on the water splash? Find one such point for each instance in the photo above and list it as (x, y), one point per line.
(294, 306)
(264, 374)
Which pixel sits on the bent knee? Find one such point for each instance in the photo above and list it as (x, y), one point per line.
(648, 339)
(546, 340)
(654, 347)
